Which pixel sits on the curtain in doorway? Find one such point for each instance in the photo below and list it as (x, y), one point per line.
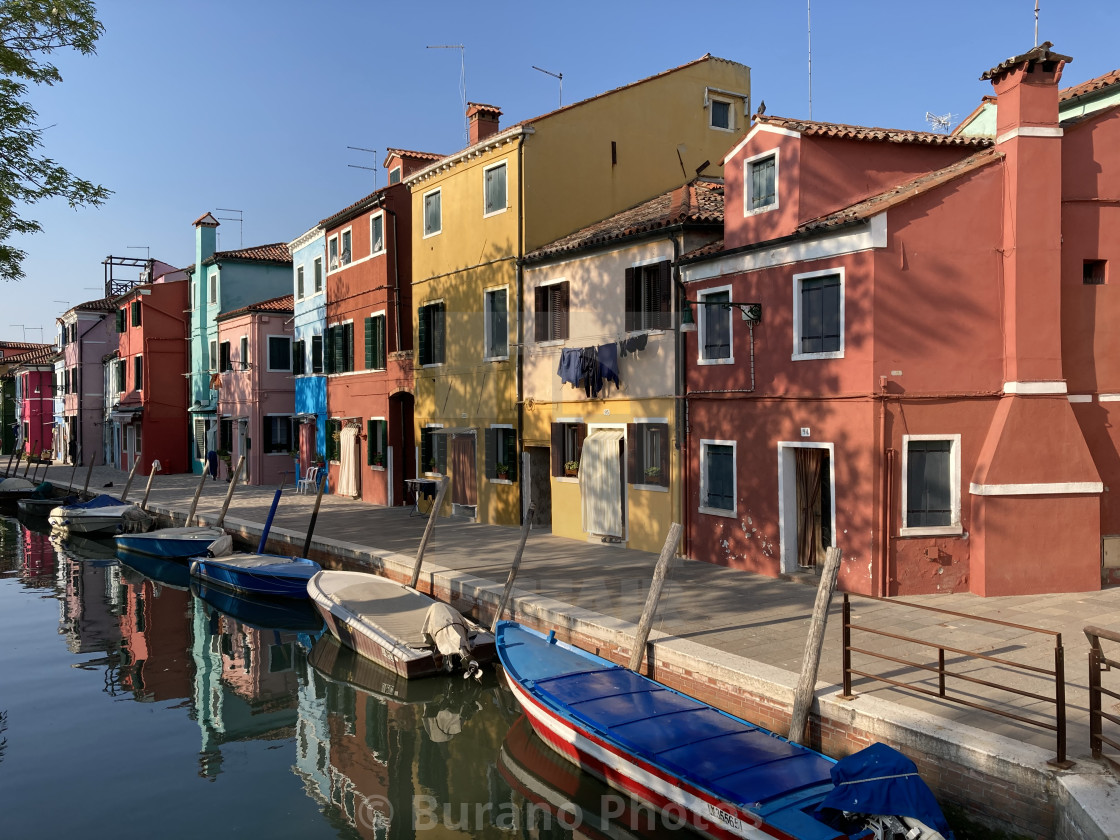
(600, 483)
(464, 487)
(808, 501)
(348, 462)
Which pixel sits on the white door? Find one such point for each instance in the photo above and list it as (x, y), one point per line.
(129, 446)
(242, 446)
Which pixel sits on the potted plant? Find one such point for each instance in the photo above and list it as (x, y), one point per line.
(501, 470)
(571, 468)
(430, 465)
(379, 459)
(653, 473)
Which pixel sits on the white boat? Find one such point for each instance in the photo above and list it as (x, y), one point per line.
(100, 515)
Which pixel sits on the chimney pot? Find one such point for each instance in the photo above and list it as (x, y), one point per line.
(482, 120)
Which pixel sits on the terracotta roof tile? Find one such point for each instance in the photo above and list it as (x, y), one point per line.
(23, 345)
(705, 250)
(406, 153)
(345, 213)
(841, 131)
(699, 202)
(276, 252)
(1092, 86)
(39, 355)
(107, 304)
(282, 305)
(1040, 53)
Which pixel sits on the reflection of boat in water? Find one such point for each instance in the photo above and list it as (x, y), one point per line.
(569, 795)
(261, 613)
(82, 547)
(163, 571)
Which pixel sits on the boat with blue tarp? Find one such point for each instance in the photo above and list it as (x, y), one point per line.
(180, 543)
(732, 779)
(272, 575)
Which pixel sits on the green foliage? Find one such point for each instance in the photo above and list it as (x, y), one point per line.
(30, 30)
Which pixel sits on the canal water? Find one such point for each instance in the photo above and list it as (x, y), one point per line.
(132, 705)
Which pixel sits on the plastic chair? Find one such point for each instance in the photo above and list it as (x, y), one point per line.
(307, 483)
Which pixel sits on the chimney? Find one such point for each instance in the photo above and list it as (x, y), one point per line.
(205, 238)
(483, 121)
(1028, 135)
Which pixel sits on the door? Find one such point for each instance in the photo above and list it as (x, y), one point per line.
(464, 486)
(130, 451)
(806, 506)
(601, 485)
(243, 446)
(540, 485)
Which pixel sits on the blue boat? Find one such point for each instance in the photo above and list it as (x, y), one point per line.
(725, 776)
(258, 574)
(170, 543)
(286, 614)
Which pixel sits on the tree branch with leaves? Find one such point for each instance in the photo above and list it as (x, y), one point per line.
(30, 30)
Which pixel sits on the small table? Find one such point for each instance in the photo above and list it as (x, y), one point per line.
(421, 488)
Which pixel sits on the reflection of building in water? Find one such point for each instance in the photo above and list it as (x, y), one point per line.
(35, 556)
(244, 683)
(92, 601)
(155, 640)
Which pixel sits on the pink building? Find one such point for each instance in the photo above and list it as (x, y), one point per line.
(904, 349)
(256, 389)
(86, 337)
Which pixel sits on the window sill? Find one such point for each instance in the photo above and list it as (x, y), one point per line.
(932, 531)
(500, 481)
(377, 467)
(566, 479)
(759, 210)
(729, 514)
(730, 361)
(803, 357)
(433, 233)
(489, 213)
(653, 488)
(496, 358)
(552, 342)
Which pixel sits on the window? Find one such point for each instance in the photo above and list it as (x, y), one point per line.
(135, 306)
(648, 453)
(299, 358)
(225, 434)
(431, 337)
(1092, 273)
(121, 325)
(299, 282)
(818, 315)
(375, 342)
(552, 303)
(194, 295)
(137, 372)
(395, 175)
(224, 363)
(433, 450)
(567, 446)
(649, 302)
(279, 352)
(340, 348)
(501, 453)
(316, 354)
(722, 115)
(931, 495)
(243, 353)
(346, 249)
(278, 434)
(762, 179)
(715, 326)
(377, 233)
(433, 215)
(213, 354)
(717, 476)
(318, 274)
(377, 448)
(213, 288)
(497, 324)
(122, 375)
(334, 433)
(494, 187)
(332, 254)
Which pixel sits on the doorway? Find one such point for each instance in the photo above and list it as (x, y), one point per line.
(540, 485)
(243, 444)
(806, 503)
(602, 484)
(464, 483)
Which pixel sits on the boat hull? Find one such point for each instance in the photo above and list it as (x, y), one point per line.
(170, 547)
(102, 524)
(285, 579)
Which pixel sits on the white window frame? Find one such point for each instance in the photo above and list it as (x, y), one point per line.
(553, 342)
(747, 166)
(650, 421)
(301, 286)
(424, 210)
(702, 508)
(422, 470)
(369, 444)
(954, 527)
(294, 442)
(212, 278)
(373, 251)
(268, 353)
(505, 427)
(344, 260)
(383, 315)
(243, 353)
(701, 327)
(487, 327)
(502, 164)
(798, 356)
(730, 127)
(318, 279)
(399, 175)
(213, 367)
(338, 250)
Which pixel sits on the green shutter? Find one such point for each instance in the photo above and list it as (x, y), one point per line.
(369, 345)
(425, 449)
(422, 336)
(439, 327)
(379, 345)
(120, 322)
(511, 454)
(491, 454)
(136, 313)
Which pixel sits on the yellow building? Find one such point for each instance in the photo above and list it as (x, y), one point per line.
(478, 212)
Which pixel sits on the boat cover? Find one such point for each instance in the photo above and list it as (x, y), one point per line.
(881, 780)
(99, 501)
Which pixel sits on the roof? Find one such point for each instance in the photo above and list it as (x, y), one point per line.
(282, 305)
(277, 252)
(354, 209)
(106, 304)
(840, 131)
(1092, 86)
(42, 353)
(23, 345)
(1040, 53)
(699, 202)
(406, 153)
(206, 220)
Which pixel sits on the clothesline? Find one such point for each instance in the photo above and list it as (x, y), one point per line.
(594, 366)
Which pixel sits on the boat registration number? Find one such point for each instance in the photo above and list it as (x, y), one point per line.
(723, 818)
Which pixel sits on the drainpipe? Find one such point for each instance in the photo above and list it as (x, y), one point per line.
(682, 405)
(520, 373)
(886, 472)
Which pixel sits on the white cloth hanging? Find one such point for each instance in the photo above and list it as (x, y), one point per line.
(600, 483)
(348, 462)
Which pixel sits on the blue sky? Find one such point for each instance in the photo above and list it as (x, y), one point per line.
(250, 105)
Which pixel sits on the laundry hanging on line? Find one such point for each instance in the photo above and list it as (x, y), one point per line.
(590, 368)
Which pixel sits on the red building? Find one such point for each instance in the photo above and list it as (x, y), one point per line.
(368, 346)
(903, 349)
(35, 394)
(147, 391)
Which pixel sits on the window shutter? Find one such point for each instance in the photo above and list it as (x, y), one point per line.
(120, 324)
(540, 303)
(556, 449)
(369, 344)
(663, 319)
(138, 371)
(663, 478)
(581, 436)
(338, 339)
(422, 337)
(441, 452)
(631, 299)
(371, 440)
(425, 449)
(562, 320)
(380, 344)
(316, 354)
(511, 454)
(439, 328)
(136, 313)
(348, 346)
(635, 466)
(491, 453)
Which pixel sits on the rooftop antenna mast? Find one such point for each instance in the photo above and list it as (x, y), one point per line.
(558, 76)
(372, 169)
(939, 123)
(462, 82)
(809, 31)
(239, 218)
(1036, 23)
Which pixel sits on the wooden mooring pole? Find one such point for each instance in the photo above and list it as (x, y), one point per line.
(152, 474)
(194, 501)
(803, 694)
(131, 475)
(322, 482)
(428, 531)
(89, 472)
(659, 572)
(525, 526)
(229, 493)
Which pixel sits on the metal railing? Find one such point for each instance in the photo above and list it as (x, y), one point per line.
(1099, 663)
(1057, 674)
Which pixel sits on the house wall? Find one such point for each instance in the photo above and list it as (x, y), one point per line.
(83, 407)
(310, 320)
(36, 409)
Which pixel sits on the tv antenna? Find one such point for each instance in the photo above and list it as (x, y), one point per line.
(372, 169)
(239, 218)
(558, 76)
(939, 123)
(1036, 23)
(462, 82)
(809, 32)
